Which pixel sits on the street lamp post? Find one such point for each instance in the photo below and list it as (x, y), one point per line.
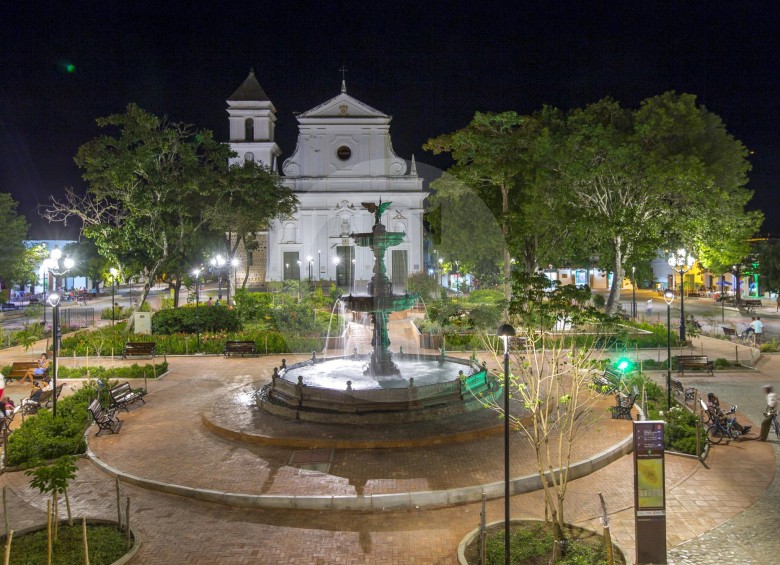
(114, 273)
(633, 293)
(311, 267)
(505, 332)
(336, 261)
(54, 301)
(681, 262)
(352, 281)
(217, 263)
(319, 264)
(196, 273)
(52, 265)
(668, 298)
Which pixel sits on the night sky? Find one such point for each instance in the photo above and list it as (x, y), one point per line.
(430, 66)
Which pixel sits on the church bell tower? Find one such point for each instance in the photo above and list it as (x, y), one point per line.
(252, 118)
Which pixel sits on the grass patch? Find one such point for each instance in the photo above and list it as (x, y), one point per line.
(531, 543)
(106, 545)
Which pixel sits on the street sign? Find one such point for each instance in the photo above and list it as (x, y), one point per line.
(649, 492)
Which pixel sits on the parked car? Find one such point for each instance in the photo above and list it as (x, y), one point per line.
(7, 306)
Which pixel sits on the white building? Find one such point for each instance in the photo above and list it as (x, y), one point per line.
(344, 156)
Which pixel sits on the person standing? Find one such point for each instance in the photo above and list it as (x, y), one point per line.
(769, 413)
(758, 329)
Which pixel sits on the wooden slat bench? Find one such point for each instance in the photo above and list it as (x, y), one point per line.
(139, 348)
(752, 304)
(105, 419)
(20, 368)
(694, 362)
(122, 396)
(623, 406)
(242, 347)
(608, 382)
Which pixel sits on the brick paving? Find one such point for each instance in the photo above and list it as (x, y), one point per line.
(166, 440)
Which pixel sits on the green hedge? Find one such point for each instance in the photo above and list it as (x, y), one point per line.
(188, 319)
(106, 340)
(134, 371)
(42, 437)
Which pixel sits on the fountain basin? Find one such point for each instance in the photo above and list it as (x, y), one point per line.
(319, 391)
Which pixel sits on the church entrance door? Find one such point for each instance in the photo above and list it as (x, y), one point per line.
(345, 268)
(292, 266)
(400, 270)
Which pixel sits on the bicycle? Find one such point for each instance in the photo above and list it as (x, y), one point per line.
(720, 428)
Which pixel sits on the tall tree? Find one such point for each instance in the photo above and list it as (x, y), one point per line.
(488, 164)
(665, 175)
(252, 196)
(14, 264)
(151, 184)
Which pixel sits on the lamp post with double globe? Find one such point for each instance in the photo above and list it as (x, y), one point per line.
(681, 262)
(217, 264)
(53, 266)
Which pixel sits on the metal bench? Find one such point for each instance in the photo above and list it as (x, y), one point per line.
(242, 347)
(752, 304)
(679, 389)
(730, 333)
(694, 362)
(105, 419)
(608, 382)
(31, 406)
(142, 348)
(623, 406)
(122, 396)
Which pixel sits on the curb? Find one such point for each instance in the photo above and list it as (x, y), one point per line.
(393, 501)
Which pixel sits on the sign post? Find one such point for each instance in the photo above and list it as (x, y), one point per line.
(649, 492)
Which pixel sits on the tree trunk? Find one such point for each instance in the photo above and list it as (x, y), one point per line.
(617, 279)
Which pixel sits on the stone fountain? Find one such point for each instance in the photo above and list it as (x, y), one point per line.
(374, 388)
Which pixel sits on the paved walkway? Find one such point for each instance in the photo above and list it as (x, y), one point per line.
(167, 441)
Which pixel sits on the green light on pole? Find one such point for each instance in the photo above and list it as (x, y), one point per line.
(623, 365)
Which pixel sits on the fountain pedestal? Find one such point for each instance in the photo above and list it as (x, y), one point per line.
(380, 300)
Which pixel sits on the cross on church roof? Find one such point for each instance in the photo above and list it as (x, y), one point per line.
(343, 71)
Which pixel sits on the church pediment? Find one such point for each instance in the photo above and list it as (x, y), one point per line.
(343, 106)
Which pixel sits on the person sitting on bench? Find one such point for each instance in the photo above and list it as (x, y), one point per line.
(714, 408)
(43, 366)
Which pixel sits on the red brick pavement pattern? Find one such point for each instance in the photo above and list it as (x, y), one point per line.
(180, 530)
(169, 412)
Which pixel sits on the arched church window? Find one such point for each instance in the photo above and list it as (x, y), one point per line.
(290, 233)
(249, 129)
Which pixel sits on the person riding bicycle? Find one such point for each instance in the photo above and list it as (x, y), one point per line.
(713, 405)
(770, 412)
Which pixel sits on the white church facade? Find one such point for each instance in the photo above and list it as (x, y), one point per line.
(344, 156)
